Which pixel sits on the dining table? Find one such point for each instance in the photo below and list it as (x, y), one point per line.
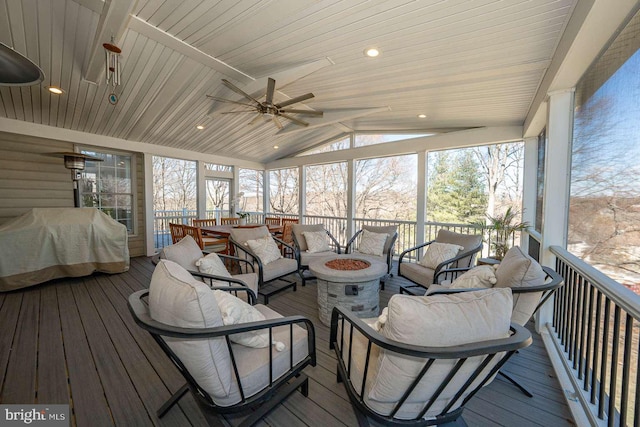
(224, 231)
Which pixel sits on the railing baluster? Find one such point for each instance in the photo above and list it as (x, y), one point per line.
(603, 362)
(577, 349)
(596, 352)
(626, 367)
(587, 364)
(613, 382)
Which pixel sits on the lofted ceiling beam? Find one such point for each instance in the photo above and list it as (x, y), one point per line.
(333, 117)
(143, 27)
(113, 23)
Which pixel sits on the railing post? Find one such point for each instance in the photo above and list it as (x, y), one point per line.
(529, 188)
(421, 208)
(556, 184)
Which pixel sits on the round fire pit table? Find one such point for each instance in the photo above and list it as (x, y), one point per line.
(348, 281)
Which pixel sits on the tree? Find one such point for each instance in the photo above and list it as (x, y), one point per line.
(283, 191)
(456, 193)
(502, 168)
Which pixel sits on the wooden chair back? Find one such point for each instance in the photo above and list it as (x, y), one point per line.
(234, 221)
(272, 220)
(177, 232)
(194, 232)
(204, 222)
(290, 221)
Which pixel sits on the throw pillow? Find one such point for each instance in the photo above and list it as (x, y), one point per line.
(438, 253)
(316, 241)
(212, 264)
(372, 243)
(482, 276)
(235, 311)
(265, 248)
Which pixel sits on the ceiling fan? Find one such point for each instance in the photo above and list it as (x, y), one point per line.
(268, 109)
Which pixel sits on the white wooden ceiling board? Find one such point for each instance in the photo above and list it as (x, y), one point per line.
(157, 91)
(71, 18)
(249, 29)
(167, 110)
(5, 27)
(86, 24)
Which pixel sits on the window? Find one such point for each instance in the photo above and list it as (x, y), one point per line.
(283, 191)
(327, 190)
(251, 184)
(341, 144)
(604, 205)
(386, 187)
(214, 167)
(362, 140)
(108, 186)
(542, 146)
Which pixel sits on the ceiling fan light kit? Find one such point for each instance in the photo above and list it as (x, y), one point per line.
(267, 109)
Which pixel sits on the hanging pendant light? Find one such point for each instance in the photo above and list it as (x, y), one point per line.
(112, 63)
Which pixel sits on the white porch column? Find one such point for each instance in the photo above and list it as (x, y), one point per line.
(302, 192)
(351, 198)
(529, 187)
(557, 177)
(266, 191)
(235, 189)
(421, 204)
(148, 204)
(201, 190)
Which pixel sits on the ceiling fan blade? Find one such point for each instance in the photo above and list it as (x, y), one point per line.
(238, 111)
(255, 120)
(277, 122)
(295, 100)
(271, 88)
(215, 98)
(307, 112)
(294, 120)
(239, 91)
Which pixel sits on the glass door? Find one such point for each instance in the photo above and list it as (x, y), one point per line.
(218, 199)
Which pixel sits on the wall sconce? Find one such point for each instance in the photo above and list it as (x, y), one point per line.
(76, 163)
(112, 63)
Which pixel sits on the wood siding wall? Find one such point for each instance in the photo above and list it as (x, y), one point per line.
(30, 180)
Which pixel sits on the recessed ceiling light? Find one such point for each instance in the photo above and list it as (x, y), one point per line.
(371, 52)
(422, 116)
(275, 147)
(200, 127)
(56, 90)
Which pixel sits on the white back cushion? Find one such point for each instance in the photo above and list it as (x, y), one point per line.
(438, 321)
(177, 299)
(185, 253)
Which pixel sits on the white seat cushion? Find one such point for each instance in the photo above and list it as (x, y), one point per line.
(253, 363)
(278, 268)
(177, 299)
(416, 273)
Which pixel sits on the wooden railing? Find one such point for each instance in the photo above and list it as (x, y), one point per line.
(596, 326)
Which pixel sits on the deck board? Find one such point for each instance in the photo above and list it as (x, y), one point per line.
(73, 340)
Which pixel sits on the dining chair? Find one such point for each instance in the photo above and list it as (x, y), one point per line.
(234, 221)
(212, 244)
(177, 232)
(272, 220)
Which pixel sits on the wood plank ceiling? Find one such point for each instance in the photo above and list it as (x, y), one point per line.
(463, 63)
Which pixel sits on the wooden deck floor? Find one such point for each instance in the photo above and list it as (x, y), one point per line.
(74, 341)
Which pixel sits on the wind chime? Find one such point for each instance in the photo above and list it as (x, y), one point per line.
(112, 68)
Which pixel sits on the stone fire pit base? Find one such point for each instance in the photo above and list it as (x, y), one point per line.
(354, 290)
